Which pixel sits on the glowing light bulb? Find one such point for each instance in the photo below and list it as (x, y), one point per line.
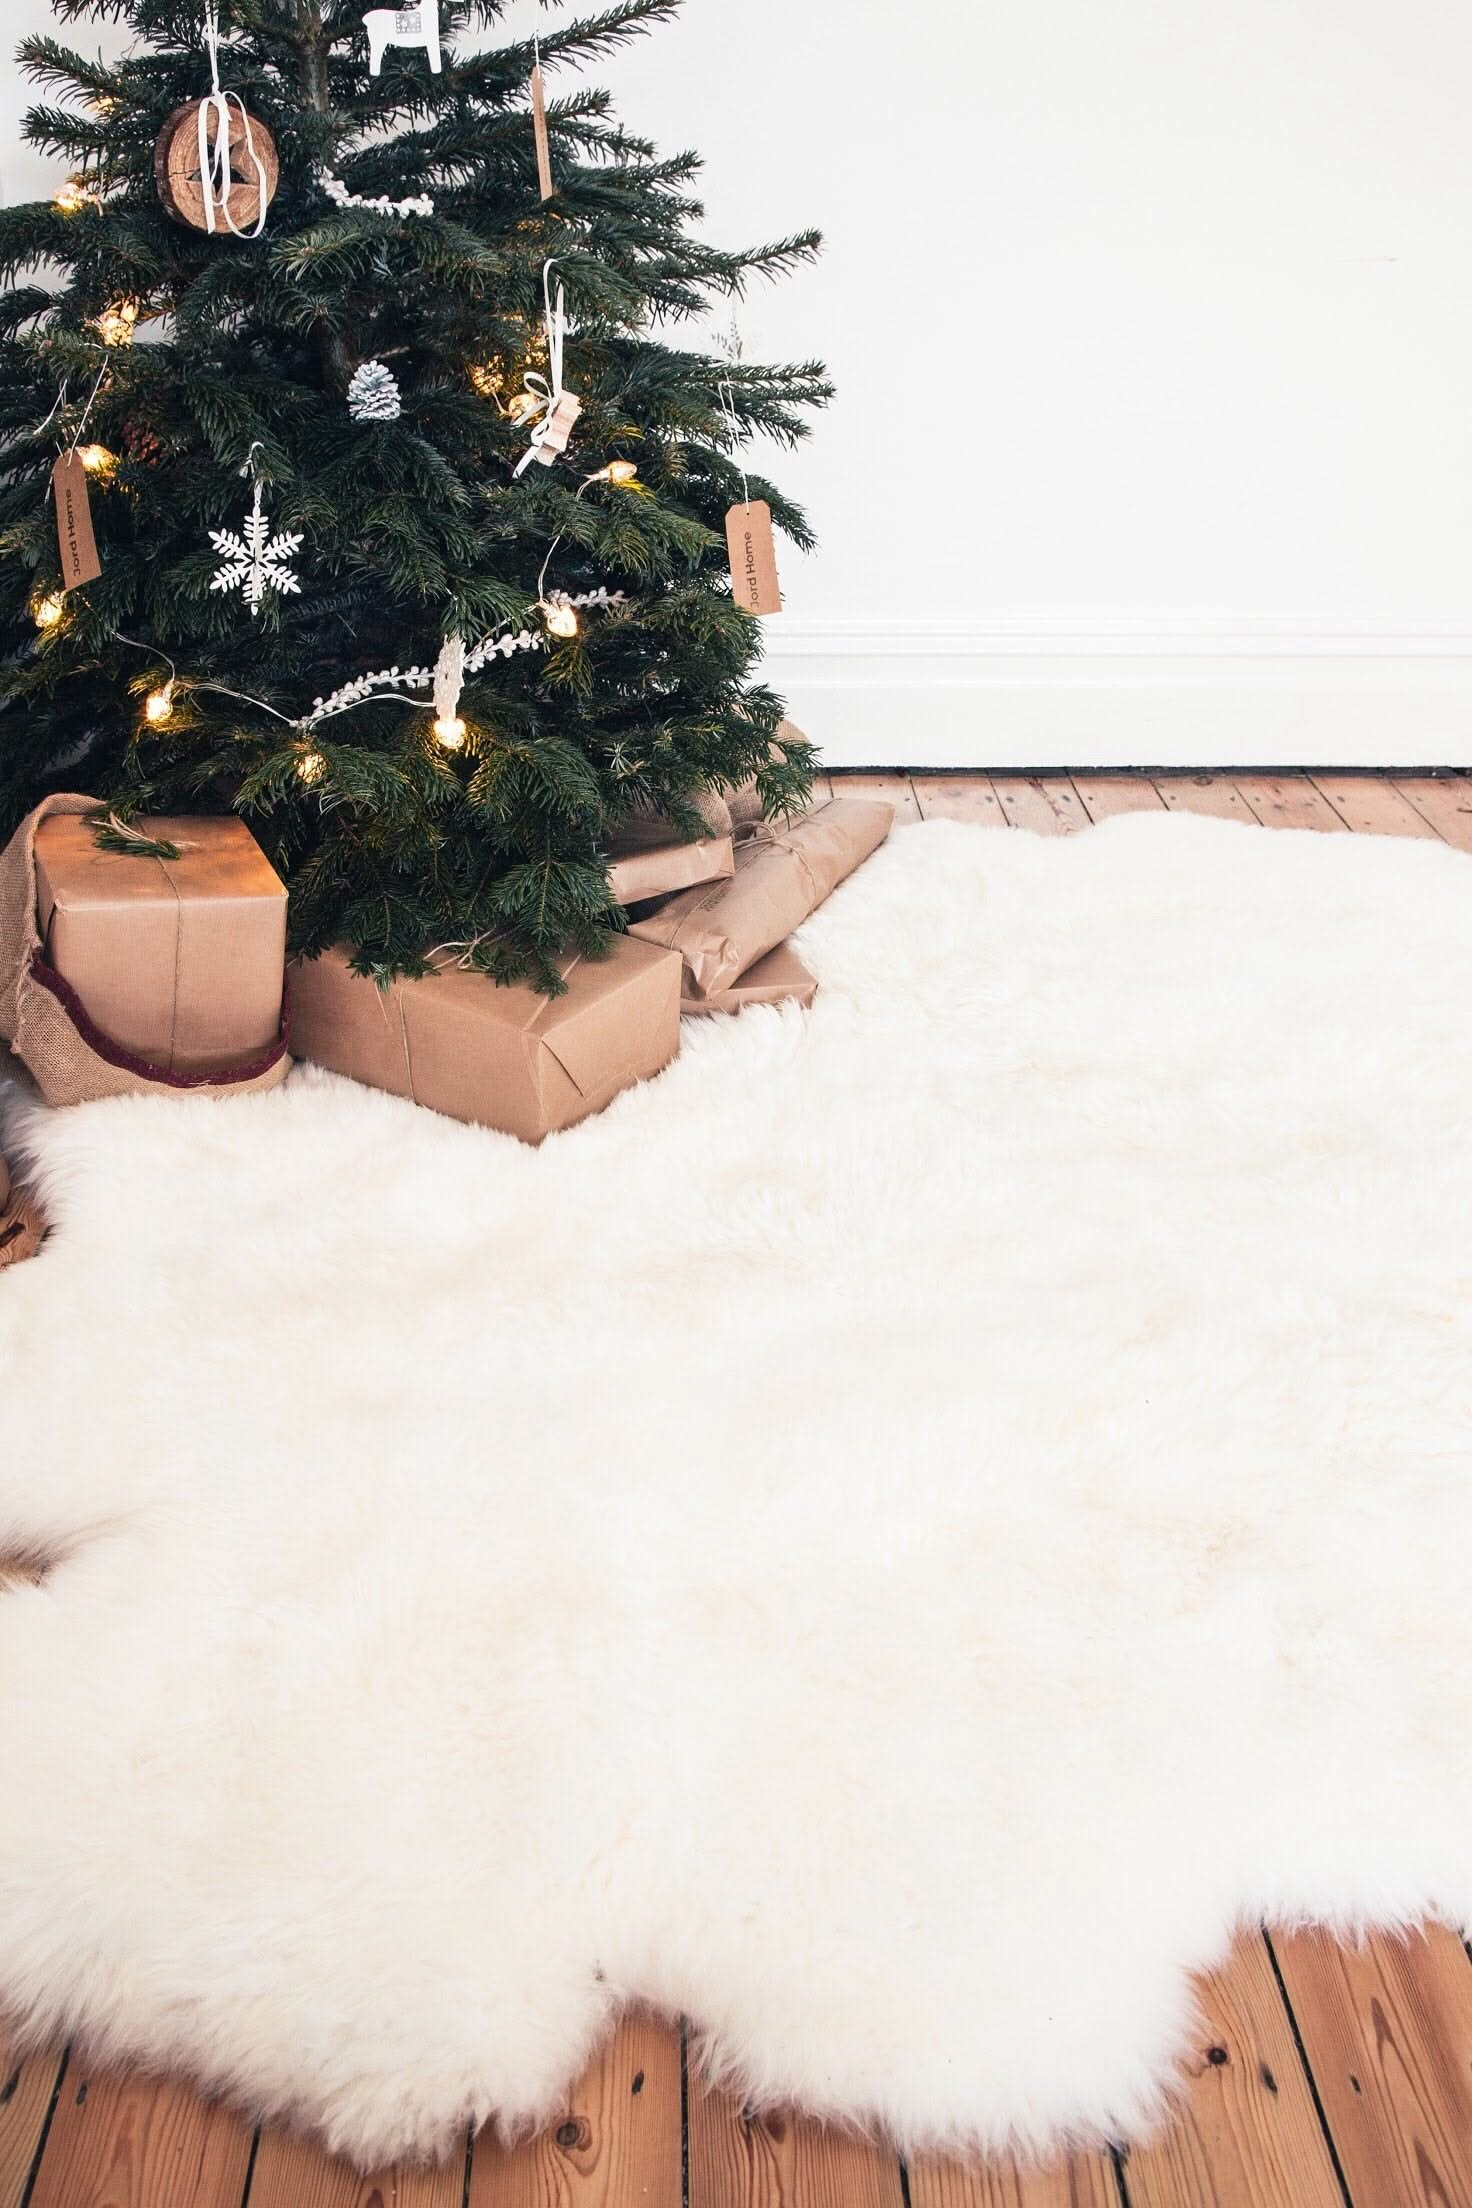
(487, 379)
(159, 705)
(115, 324)
(311, 766)
(97, 460)
(621, 471)
(47, 611)
(73, 196)
(525, 407)
(449, 730)
(561, 620)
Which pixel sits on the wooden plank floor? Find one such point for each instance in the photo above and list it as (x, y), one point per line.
(1323, 2074)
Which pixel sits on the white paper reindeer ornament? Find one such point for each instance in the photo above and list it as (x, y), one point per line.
(403, 27)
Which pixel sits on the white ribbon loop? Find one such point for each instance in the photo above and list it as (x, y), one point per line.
(215, 176)
(726, 397)
(554, 403)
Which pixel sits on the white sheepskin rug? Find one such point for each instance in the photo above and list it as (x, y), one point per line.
(889, 1543)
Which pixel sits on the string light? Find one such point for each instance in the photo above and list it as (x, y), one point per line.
(561, 619)
(488, 379)
(73, 196)
(158, 706)
(97, 460)
(449, 730)
(620, 471)
(311, 766)
(48, 610)
(525, 407)
(115, 324)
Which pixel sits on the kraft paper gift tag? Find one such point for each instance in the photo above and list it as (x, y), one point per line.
(79, 561)
(539, 133)
(753, 557)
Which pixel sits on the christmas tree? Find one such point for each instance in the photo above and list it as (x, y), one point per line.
(426, 579)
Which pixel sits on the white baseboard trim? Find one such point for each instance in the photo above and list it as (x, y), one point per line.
(927, 694)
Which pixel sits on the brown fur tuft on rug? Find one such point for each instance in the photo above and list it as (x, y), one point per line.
(22, 1221)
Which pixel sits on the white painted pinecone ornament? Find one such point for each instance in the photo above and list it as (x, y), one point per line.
(373, 395)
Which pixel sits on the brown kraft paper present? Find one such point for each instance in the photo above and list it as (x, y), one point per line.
(779, 978)
(125, 972)
(783, 874)
(646, 864)
(500, 1056)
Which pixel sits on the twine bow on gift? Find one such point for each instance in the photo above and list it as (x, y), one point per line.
(539, 397)
(745, 832)
(215, 176)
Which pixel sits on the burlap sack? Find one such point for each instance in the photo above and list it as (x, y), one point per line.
(47, 1026)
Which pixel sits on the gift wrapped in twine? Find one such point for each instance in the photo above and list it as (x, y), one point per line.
(59, 1039)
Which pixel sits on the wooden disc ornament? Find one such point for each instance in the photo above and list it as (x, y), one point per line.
(181, 183)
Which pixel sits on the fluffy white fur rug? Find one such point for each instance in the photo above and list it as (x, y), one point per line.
(888, 1542)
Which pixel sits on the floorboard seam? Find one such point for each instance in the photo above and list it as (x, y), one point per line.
(250, 2167)
(684, 2113)
(36, 2159)
(1118, 2156)
(1308, 2069)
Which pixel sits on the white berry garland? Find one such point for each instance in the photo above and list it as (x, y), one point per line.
(422, 678)
(340, 196)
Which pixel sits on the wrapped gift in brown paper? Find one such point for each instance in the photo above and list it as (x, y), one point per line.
(501, 1056)
(646, 864)
(178, 962)
(779, 978)
(129, 972)
(783, 873)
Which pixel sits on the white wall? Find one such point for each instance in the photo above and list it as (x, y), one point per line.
(1152, 324)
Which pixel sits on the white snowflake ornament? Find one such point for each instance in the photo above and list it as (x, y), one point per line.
(374, 395)
(255, 562)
